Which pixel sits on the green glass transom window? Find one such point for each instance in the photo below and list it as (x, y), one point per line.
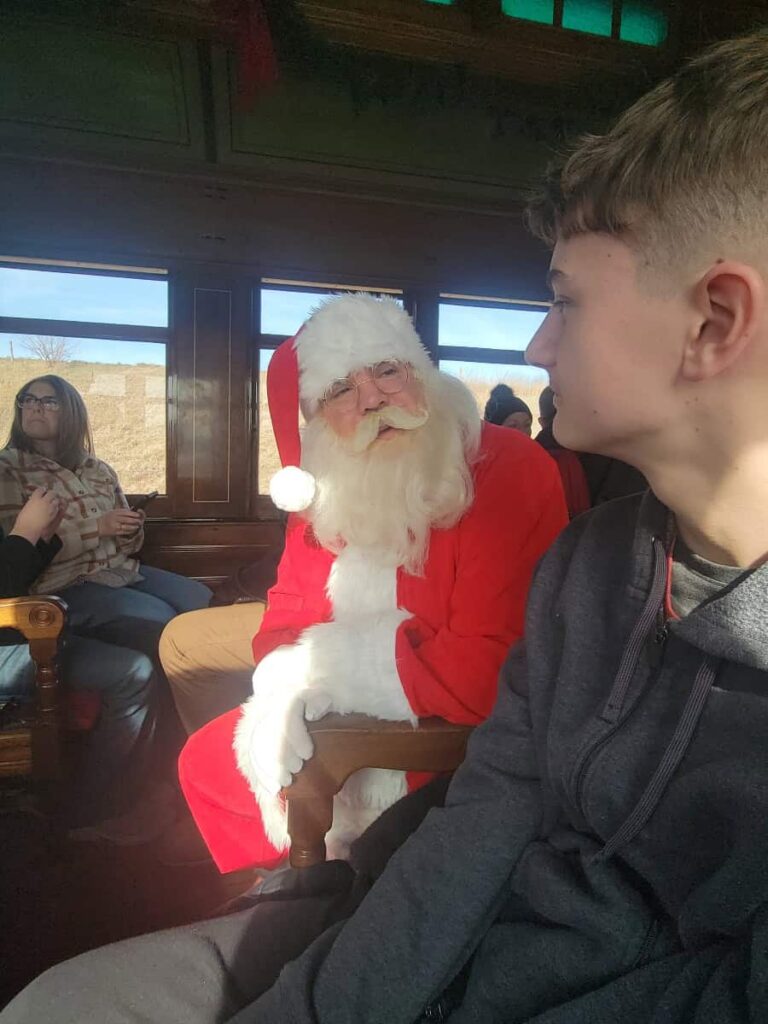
(593, 16)
(636, 21)
(530, 10)
(642, 22)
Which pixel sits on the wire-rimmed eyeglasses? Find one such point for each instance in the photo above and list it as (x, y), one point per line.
(389, 376)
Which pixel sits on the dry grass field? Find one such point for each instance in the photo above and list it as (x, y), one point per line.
(126, 405)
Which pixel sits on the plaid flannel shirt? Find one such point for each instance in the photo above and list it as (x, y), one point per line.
(88, 492)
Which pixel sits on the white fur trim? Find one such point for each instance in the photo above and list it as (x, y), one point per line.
(292, 489)
(352, 331)
(357, 585)
(363, 797)
(361, 800)
(285, 668)
(279, 676)
(354, 663)
(272, 807)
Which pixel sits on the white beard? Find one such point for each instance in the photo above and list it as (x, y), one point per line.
(387, 498)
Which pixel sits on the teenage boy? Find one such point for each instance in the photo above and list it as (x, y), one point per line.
(601, 855)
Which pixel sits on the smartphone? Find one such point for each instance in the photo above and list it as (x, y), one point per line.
(144, 500)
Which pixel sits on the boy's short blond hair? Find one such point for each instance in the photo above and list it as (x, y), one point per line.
(682, 176)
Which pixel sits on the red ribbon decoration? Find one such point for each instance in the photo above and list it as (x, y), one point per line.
(255, 52)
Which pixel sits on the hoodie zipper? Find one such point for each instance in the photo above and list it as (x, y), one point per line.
(676, 749)
(656, 652)
(589, 755)
(638, 641)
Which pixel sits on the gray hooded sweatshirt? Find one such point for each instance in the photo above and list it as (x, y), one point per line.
(603, 852)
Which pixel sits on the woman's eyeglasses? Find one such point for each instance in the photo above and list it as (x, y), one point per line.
(47, 402)
(390, 377)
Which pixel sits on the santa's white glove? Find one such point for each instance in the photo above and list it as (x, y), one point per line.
(273, 732)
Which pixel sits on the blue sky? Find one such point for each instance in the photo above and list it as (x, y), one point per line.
(104, 299)
(94, 297)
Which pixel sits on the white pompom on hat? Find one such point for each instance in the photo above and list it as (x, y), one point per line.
(346, 333)
(291, 488)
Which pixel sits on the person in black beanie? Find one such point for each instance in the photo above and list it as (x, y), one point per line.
(505, 409)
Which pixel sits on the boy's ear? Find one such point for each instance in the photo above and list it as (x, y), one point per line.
(729, 299)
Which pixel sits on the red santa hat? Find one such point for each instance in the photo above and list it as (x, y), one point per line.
(345, 334)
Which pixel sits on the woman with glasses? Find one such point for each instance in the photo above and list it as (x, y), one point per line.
(110, 596)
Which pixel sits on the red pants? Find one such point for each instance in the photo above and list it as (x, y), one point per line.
(221, 801)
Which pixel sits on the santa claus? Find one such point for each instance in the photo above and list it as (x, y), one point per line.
(413, 534)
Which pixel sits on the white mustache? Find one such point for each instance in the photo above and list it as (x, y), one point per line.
(392, 416)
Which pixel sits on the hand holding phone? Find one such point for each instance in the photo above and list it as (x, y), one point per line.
(143, 501)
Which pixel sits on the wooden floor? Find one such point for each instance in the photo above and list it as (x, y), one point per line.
(58, 899)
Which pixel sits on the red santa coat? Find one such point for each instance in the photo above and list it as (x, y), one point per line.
(440, 646)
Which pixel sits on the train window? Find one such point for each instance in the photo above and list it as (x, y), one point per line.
(530, 10)
(285, 305)
(593, 16)
(283, 311)
(97, 298)
(483, 342)
(500, 328)
(527, 382)
(106, 332)
(632, 21)
(643, 21)
(269, 460)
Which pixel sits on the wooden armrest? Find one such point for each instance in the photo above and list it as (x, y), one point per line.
(40, 620)
(36, 618)
(346, 743)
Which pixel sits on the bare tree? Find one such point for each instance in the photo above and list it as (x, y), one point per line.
(52, 350)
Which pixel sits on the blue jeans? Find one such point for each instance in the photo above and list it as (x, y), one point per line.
(133, 616)
(116, 758)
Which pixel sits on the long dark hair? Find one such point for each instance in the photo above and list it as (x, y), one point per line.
(74, 441)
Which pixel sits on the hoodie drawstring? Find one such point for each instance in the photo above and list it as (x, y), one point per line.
(669, 763)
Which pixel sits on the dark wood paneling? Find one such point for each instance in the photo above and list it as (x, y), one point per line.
(67, 84)
(313, 128)
(213, 345)
(155, 220)
(208, 551)
(211, 396)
